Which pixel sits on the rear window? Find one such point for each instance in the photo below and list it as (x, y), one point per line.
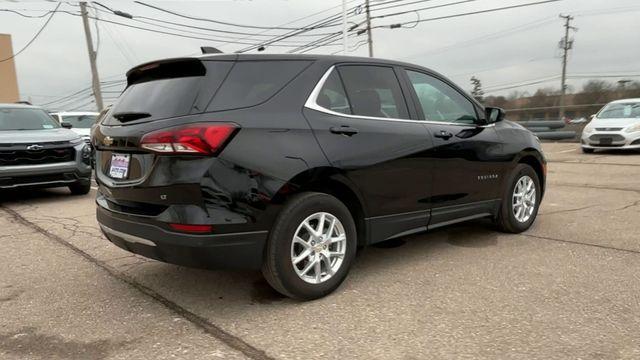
(169, 90)
(253, 82)
(188, 86)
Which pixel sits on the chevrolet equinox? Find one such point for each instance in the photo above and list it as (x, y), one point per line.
(290, 163)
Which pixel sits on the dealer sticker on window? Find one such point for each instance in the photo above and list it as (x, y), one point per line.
(119, 166)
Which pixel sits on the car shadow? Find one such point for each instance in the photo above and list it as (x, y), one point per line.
(213, 290)
(37, 196)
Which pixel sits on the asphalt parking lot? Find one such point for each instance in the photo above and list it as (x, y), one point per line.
(567, 288)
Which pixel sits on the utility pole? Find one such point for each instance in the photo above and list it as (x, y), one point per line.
(565, 45)
(97, 93)
(369, 38)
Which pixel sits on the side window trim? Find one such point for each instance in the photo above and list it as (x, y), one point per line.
(414, 96)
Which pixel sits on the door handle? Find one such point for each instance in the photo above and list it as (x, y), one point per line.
(445, 135)
(343, 130)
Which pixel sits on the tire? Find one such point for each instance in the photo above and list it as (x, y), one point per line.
(507, 220)
(80, 187)
(278, 267)
(587, 150)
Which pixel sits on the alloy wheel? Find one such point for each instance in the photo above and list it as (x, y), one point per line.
(524, 199)
(318, 247)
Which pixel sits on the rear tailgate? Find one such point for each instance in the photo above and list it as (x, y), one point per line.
(170, 94)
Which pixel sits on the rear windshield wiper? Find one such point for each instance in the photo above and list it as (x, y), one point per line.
(130, 116)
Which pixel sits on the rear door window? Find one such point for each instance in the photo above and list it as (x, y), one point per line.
(332, 95)
(251, 83)
(373, 91)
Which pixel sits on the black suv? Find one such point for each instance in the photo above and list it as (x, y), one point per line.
(290, 163)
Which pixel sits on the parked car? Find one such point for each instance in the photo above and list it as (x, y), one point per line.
(615, 126)
(289, 163)
(80, 122)
(36, 151)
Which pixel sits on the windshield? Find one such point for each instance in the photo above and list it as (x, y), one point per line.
(26, 119)
(79, 121)
(620, 111)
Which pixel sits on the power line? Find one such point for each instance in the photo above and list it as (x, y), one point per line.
(300, 19)
(138, 17)
(316, 24)
(491, 36)
(392, 26)
(176, 34)
(217, 21)
(217, 38)
(404, 3)
(17, 11)
(422, 9)
(53, 12)
(492, 90)
(103, 84)
(458, 14)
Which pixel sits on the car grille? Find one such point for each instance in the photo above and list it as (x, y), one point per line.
(608, 129)
(9, 157)
(613, 137)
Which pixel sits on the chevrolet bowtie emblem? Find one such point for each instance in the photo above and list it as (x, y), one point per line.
(35, 147)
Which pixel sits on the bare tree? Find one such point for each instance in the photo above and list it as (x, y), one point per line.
(476, 91)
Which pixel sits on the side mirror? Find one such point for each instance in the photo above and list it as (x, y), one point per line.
(592, 116)
(66, 125)
(494, 114)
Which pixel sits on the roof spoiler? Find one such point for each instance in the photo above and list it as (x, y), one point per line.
(167, 68)
(209, 50)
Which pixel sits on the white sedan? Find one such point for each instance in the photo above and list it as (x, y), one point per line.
(616, 126)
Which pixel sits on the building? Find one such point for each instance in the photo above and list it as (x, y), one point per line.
(8, 78)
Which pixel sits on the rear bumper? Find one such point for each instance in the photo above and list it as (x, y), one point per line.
(212, 251)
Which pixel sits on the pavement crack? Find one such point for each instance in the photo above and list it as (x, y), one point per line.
(590, 163)
(582, 243)
(593, 187)
(204, 324)
(636, 203)
(567, 210)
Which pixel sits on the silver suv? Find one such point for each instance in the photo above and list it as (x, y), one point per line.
(36, 151)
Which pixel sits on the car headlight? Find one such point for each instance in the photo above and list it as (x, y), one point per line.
(588, 129)
(633, 128)
(86, 151)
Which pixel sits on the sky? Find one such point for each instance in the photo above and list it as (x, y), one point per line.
(504, 49)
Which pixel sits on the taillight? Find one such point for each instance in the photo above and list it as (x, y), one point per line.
(200, 138)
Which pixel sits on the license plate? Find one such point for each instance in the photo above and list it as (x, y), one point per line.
(605, 141)
(119, 166)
